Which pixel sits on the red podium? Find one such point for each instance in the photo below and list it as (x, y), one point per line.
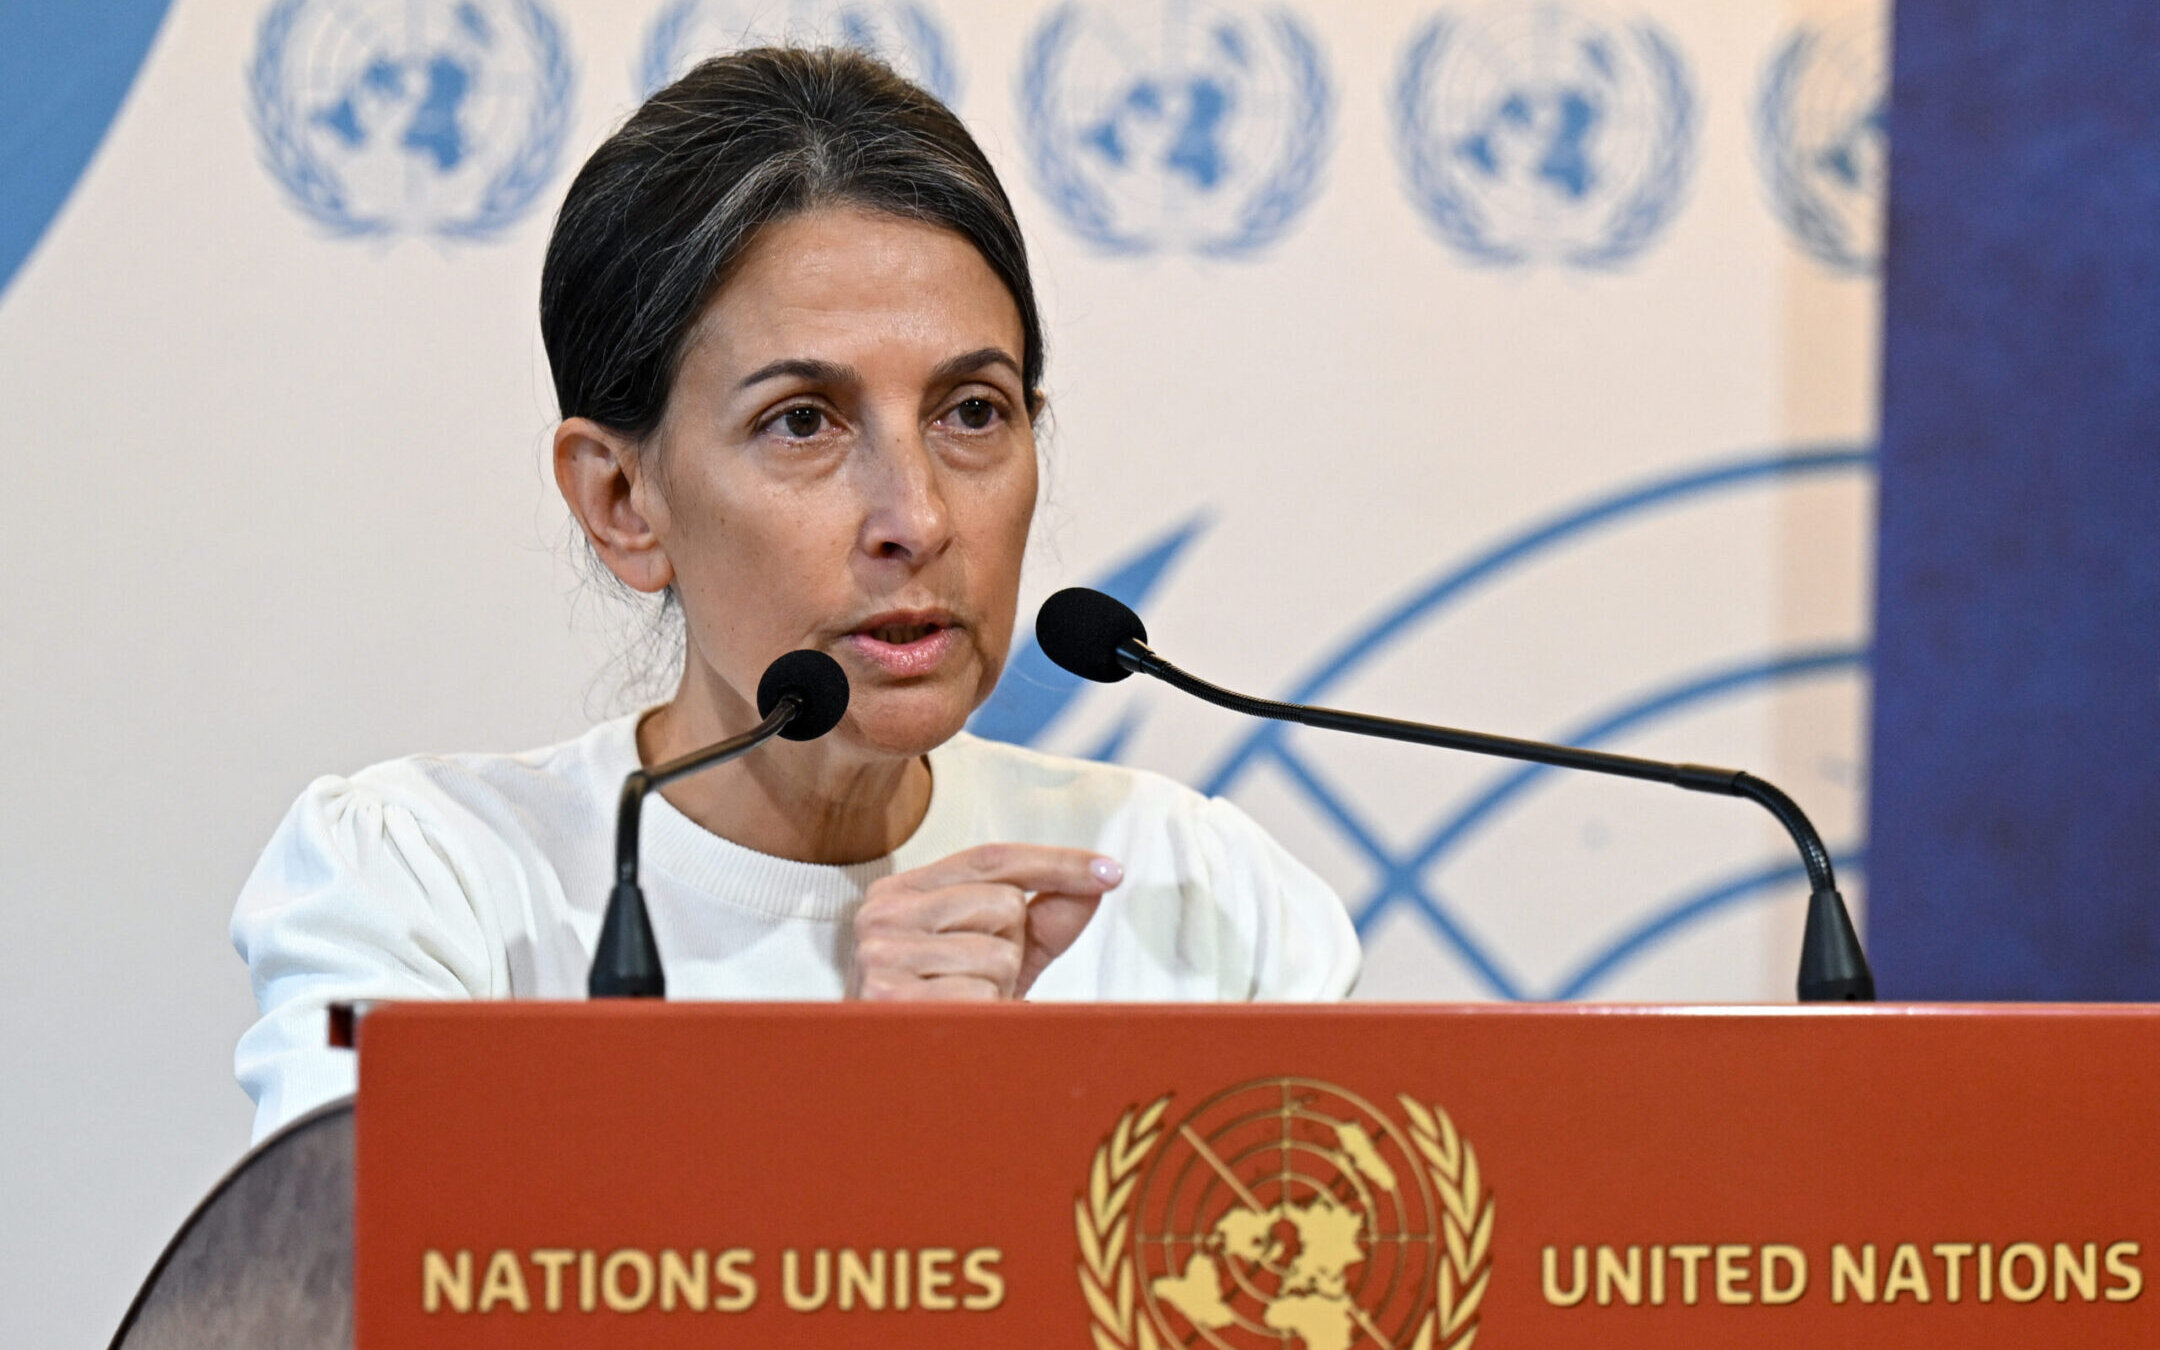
(1294, 1178)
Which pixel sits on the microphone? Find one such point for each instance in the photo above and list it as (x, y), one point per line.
(801, 696)
(1097, 638)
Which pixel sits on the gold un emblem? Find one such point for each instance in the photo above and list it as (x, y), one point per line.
(1285, 1212)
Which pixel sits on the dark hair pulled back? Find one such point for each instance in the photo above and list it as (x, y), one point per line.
(658, 216)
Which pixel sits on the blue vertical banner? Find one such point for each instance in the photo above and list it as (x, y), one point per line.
(2015, 834)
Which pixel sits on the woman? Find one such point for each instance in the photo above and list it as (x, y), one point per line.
(795, 343)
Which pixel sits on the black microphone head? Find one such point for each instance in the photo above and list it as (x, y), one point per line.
(1081, 629)
(814, 678)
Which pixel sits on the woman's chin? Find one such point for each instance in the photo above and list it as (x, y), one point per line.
(905, 723)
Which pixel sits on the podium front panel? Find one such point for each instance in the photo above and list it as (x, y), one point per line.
(1142, 1177)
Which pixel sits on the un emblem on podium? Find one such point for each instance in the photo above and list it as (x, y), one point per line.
(1285, 1212)
(1544, 133)
(1822, 140)
(902, 33)
(1197, 128)
(386, 117)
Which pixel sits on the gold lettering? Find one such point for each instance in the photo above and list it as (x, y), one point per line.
(791, 1280)
(504, 1283)
(933, 1277)
(900, 1269)
(683, 1281)
(2118, 1265)
(440, 1282)
(1657, 1276)
(1732, 1272)
(2069, 1270)
(1953, 1255)
(1907, 1276)
(981, 1270)
(1577, 1287)
(864, 1281)
(638, 1264)
(2005, 1276)
(1689, 1257)
(1610, 1273)
(588, 1281)
(551, 1261)
(1986, 1269)
(1775, 1254)
(1846, 1275)
(731, 1270)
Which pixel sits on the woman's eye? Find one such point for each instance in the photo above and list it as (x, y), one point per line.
(802, 422)
(975, 413)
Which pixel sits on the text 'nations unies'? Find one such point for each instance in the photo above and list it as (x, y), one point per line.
(632, 1280)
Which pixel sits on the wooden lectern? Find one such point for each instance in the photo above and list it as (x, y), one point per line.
(1128, 1177)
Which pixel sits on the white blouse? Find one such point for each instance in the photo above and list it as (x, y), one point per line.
(485, 876)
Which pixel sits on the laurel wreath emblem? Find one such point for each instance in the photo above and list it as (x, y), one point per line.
(1103, 1221)
(1814, 221)
(1466, 1218)
(1091, 212)
(1451, 203)
(320, 192)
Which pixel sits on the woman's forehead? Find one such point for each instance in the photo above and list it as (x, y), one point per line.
(844, 285)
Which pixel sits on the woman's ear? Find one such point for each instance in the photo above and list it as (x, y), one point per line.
(602, 476)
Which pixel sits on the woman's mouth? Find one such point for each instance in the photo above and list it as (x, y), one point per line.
(905, 645)
(902, 634)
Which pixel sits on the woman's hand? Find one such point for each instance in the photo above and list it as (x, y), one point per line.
(980, 924)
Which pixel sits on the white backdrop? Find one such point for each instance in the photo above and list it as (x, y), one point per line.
(1504, 364)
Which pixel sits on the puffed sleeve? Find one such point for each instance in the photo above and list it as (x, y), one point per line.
(363, 893)
(1303, 946)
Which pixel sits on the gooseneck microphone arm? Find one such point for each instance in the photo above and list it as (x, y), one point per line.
(627, 962)
(1098, 638)
(1833, 967)
(1136, 656)
(802, 696)
(642, 781)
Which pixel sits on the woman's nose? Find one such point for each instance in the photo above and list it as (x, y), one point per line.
(906, 518)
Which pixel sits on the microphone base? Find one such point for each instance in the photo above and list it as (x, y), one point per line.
(1833, 969)
(627, 965)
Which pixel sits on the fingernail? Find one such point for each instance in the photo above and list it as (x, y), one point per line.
(1108, 871)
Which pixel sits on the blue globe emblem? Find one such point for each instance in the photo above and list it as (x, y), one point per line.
(1544, 133)
(1193, 127)
(904, 34)
(388, 117)
(1821, 133)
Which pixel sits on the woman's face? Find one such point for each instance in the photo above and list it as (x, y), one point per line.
(847, 463)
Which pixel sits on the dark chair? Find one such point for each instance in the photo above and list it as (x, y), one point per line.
(266, 1260)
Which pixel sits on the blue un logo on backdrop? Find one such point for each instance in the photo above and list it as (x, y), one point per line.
(1544, 133)
(382, 117)
(1196, 127)
(1821, 138)
(902, 33)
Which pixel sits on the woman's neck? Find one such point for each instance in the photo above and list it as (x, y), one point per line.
(807, 801)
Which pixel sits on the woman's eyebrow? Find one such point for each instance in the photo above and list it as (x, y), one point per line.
(969, 362)
(820, 372)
